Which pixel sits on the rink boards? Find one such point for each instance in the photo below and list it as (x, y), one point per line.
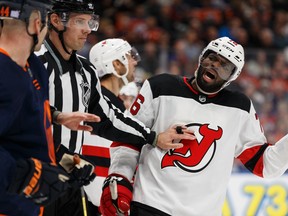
(249, 195)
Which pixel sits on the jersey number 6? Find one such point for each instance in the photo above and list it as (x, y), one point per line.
(136, 105)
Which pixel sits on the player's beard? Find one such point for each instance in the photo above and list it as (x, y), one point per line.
(205, 87)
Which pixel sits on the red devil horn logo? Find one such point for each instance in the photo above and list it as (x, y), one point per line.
(193, 152)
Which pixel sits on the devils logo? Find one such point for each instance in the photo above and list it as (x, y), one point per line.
(195, 155)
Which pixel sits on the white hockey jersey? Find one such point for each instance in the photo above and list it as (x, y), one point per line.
(192, 181)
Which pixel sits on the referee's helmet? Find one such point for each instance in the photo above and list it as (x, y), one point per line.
(65, 7)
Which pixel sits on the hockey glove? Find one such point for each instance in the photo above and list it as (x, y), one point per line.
(41, 182)
(116, 196)
(81, 170)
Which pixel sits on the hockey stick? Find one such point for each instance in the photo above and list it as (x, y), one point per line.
(83, 198)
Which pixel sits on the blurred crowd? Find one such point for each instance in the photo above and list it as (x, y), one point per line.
(170, 34)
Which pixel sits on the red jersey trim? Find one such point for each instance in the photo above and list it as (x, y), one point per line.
(101, 171)
(95, 151)
(248, 154)
(185, 79)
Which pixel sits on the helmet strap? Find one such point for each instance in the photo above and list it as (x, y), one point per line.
(125, 80)
(61, 38)
(34, 37)
(124, 76)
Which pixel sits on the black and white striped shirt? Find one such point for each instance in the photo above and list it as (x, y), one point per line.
(71, 83)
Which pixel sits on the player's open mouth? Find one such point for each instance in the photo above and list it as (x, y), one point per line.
(209, 75)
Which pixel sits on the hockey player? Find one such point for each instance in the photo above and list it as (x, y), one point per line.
(74, 86)
(115, 61)
(29, 176)
(192, 181)
(128, 93)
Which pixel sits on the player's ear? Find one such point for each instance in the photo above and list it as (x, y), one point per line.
(56, 21)
(117, 65)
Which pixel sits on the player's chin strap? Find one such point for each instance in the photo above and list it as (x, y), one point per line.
(125, 80)
(61, 38)
(34, 37)
(124, 76)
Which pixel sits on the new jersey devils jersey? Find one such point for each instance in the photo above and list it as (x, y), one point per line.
(192, 181)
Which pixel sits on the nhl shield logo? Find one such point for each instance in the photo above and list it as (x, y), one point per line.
(86, 91)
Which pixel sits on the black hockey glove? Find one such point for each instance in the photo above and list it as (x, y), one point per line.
(41, 182)
(81, 170)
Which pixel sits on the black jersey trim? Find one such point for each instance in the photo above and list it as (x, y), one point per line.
(173, 85)
(250, 165)
(142, 209)
(99, 161)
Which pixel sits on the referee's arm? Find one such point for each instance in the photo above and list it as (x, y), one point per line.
(116, 126)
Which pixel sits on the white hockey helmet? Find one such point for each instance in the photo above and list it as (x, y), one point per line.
(105, 52)
(228, 49)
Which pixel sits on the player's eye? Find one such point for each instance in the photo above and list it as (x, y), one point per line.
(212, 57)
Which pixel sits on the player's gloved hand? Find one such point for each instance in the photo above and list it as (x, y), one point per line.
(80, 169)
(116, 196)
(41, 182)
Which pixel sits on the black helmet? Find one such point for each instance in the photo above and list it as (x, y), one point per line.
(65, 7)
(77, 6)
(21, 9)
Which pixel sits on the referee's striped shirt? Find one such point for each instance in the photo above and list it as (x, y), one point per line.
(71, 83)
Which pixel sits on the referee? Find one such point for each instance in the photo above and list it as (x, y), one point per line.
(74, 86)
(72, 80)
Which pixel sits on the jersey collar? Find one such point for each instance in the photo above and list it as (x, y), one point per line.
(188, 82)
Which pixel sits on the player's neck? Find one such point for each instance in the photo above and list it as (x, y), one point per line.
(112, 84)
(18, 50)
